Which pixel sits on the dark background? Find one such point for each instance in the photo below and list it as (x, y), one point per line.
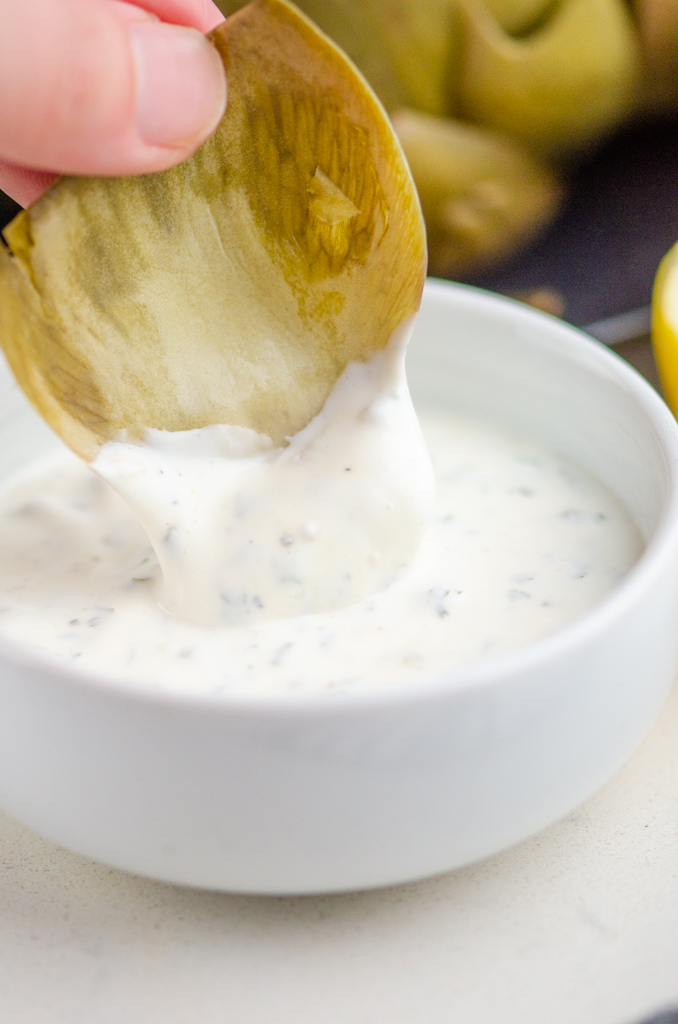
(620, 219)
(8, 209)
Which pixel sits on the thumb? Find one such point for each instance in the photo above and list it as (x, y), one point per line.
(99, 87)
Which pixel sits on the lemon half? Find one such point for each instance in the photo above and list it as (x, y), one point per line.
(665, 326)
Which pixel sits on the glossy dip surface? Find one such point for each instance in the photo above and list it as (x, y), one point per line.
(521, 542)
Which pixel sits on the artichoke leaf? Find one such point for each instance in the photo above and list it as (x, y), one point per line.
(482, 194)
(236, 287)
(558, 89)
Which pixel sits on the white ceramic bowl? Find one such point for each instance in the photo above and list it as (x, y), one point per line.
(305, 795)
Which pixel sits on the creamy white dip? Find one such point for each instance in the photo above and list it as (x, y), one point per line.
(520, 542)
(244, 531)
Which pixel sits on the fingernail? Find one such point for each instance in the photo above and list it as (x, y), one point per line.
(180, 85)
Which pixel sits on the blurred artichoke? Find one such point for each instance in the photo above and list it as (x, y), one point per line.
(481, 194)
(519, 17)
(557, 89)
(391, 41)
(531, 79)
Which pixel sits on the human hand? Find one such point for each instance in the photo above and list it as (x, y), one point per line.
(104, 87)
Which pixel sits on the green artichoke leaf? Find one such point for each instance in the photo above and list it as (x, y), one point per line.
(236, 287)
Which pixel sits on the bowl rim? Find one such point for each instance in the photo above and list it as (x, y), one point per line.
(480, 676)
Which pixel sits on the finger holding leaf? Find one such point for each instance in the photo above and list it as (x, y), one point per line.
(236, 287)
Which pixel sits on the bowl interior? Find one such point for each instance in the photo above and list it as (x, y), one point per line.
(501, 361)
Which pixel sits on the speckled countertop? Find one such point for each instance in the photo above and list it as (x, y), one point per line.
(578, 925)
